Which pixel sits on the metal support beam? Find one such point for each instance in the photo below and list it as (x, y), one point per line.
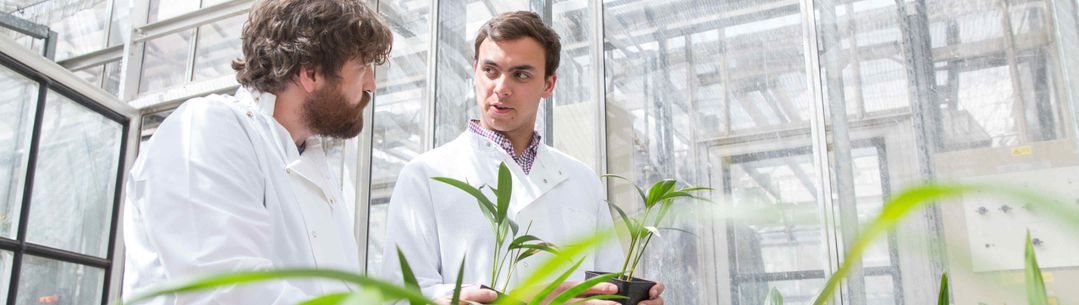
(819, 139)
(842, 168)
(431, 91)
(206, 15)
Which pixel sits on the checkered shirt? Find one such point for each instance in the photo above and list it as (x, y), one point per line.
(525, 159)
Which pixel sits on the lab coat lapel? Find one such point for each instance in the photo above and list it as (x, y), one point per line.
(312, 168)
(546, 173)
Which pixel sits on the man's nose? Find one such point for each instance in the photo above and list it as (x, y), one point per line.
(502, 90)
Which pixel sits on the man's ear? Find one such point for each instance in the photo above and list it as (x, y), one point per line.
(307, 79)
(548, 85)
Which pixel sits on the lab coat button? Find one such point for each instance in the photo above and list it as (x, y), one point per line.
(544, 180)
(250, 114)
(314, 234)
(288, 171)
(331, 201)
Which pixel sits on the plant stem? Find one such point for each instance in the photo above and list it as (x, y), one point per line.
(634, 243)
(494, 257)
(639, 255)
(629, 256)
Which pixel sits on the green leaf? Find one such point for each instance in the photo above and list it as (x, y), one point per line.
(1035, 285)
(599, 297)
(695, 189)
(904, 203)
(504, 191)
(567, 254)
(657, 191)
(460, 279)
(581, 287)
(775, 297)
(894, 210)
(942, 298)
(406, 273)
(554, 285)
(485, 204)
(513, 226)
(630, 226)
(679, 230)
(522, 240)
(652, 230)
(388, 290)
(329, 299)
(639, 190)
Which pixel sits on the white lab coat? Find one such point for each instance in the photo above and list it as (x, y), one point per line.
(221, 187)
(435, 224)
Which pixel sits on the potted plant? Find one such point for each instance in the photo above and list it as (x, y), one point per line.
(377, 291)
(657, 204)
(520, 247)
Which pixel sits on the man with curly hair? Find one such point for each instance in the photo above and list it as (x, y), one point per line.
(232, 183)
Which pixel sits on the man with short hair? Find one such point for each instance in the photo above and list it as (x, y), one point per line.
(240, 183)
(557, 197)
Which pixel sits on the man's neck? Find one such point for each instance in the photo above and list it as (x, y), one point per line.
(520, 140)
(288, 111)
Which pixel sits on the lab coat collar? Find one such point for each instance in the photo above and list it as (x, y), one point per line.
(264, 102)
(312, 166)
(546, 171)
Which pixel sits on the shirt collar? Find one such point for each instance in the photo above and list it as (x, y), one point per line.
(525, 159)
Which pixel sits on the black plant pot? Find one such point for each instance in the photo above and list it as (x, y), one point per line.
(636, 290)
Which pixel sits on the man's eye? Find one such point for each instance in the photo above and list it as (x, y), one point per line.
(522, 75)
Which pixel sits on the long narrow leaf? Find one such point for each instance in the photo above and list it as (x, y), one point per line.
(581, 287)
(504, 192)
(389, 290)
(1035, 285)
(485, 204)
(775, 297)
(329, 299)
(942, 298)
(460, 279)
(567, 254)
(893, 211)
(911, 199)
(680, 230)
(554, 285)
(639, 190)
(630, 226)
(406, 273)
(523, 239)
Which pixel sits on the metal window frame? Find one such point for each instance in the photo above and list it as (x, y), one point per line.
(52, 77)
(894, 269)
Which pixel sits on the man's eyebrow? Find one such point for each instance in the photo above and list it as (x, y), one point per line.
(522, 67)
(525, 67)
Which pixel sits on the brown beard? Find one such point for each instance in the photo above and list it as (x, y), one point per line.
(328, 113)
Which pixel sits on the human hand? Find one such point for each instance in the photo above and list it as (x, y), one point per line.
(654, 295)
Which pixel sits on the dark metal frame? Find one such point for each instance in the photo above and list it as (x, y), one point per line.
(892, 270)
(20, 247)
(33, 30)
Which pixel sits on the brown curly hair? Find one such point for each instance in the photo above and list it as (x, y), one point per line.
(520, 24)
(280, 36)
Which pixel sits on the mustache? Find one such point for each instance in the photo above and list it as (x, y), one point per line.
(366, 98)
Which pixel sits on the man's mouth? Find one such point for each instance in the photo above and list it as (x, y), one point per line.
(501, 108)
